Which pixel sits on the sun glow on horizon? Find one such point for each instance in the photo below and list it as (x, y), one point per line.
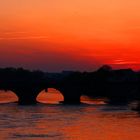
(77, 34)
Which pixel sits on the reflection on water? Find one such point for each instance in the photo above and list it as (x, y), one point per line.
(59, 122)
(7, 97)
(53, 96)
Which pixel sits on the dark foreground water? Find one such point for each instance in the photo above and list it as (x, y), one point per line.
(91, 121)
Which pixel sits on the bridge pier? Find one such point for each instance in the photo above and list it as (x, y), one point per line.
(71, 100)
(27, 96)
(71, 96)
(27, 100)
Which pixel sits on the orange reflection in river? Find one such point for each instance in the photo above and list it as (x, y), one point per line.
(60, 122)
(6, 97)
(52, 96)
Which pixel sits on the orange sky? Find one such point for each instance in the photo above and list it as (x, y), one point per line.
(57, 35)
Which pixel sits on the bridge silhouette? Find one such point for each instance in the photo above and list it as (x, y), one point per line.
(119, 86)
(27, 85)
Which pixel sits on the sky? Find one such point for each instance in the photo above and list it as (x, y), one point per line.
(56, 35)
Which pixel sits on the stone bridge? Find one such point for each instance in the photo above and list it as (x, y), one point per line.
(27, 85)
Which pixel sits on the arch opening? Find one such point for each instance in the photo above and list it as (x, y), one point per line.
(8, 96)
(51, 96)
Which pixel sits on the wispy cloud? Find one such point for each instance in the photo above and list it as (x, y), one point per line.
(23, 38)
(13, 32)
(125, 62)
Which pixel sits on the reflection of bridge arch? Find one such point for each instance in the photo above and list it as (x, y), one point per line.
(8, 96)
(50, 96)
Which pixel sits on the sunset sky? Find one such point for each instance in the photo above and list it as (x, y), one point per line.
(56, 35)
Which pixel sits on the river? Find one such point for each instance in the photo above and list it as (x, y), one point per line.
(49, 120)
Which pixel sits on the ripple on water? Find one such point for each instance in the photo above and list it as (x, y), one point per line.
(35, 135)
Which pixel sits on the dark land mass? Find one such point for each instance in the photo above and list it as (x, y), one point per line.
(119, 87)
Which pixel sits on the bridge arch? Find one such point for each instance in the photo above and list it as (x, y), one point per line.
(68, 95)
(51, 96)
(8, 96)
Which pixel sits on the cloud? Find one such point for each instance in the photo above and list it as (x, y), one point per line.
(13, 32)
(23, 38)
(124, 62)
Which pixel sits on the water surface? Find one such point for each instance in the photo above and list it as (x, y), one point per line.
(53, 121)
